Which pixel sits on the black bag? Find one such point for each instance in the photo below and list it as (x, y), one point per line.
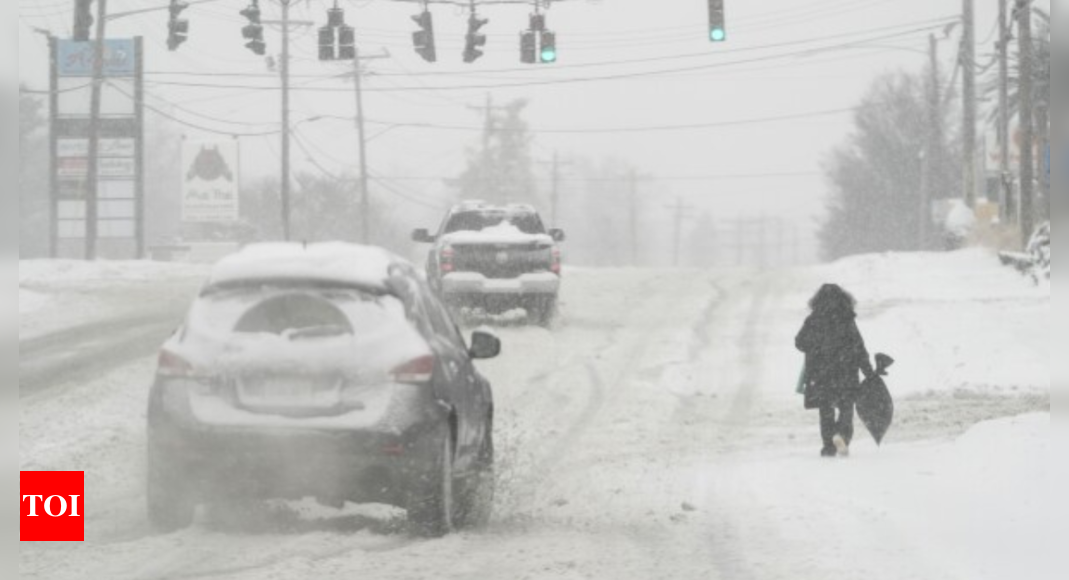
(875, 406)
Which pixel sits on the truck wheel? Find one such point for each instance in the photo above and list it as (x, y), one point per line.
(477, 502)
(543, 311)
(171, 506)
(432, 512)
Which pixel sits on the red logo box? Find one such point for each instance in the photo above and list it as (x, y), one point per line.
(53, 506)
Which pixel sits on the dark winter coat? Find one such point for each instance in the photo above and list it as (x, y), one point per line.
(835, 354)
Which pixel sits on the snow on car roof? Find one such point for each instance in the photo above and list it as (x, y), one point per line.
(340, 263)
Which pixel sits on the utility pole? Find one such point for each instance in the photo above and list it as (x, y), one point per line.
(365, 192)
(633, 203)
(285, 69)
(1028, 133)
(1009, 200)
(968, 57)
(680, 211)
(928, 155)
(93, 171)
(554, 200)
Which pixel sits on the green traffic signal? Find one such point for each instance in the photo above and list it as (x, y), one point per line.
(549, 55)
(718, 35)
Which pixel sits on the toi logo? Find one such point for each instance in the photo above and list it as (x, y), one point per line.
(53, 506)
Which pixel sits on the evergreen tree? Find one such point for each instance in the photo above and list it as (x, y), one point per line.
(501, 171)
(877, 176)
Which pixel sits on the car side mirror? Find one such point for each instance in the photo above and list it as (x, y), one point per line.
(557, 235)
(422, 236)
(484, 345)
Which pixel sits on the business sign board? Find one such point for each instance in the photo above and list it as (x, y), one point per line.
(118, 231)
(210, 182)
(107, 147)
(75, 59)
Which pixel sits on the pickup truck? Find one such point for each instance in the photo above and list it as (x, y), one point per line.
(496, 259)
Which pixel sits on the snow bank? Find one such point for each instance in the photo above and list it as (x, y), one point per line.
(503, 233)
(61, 294)
(955, 322)
(30, 302)
(46, 274)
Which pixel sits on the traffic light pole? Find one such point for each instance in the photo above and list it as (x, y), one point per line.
(93, 171)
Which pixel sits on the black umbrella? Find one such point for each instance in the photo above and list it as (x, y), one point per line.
(875, 405)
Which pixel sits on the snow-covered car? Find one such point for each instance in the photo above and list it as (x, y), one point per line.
(325, 371)
(497, 259)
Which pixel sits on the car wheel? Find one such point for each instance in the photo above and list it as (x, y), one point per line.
(431, 514)
(544, 311)
(477, 501)
(171, 506)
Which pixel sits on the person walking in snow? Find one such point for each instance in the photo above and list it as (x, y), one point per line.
(835, 354)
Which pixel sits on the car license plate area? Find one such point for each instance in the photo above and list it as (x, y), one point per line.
(280, 393)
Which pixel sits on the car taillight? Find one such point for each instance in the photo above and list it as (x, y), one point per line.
(446, 259)
(415, 372)
(172, 365)
(554, 266)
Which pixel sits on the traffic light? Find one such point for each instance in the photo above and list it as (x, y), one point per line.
(346, 43)
(548, 54)
(718, 31)
(326, 43)
(423, 39)
(475, 40)
(83, 20)
(254, 31)
(529, 47)
(178, 29)
(538, 45)
(337, 41)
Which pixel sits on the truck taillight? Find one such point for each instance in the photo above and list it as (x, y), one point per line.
(415, 372)
(555, 266)
(172, 365)
(446, 260)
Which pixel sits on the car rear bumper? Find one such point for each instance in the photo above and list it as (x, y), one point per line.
(473, 283)
(375, 465)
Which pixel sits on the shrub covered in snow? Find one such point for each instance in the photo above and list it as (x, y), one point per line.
(1039, 250)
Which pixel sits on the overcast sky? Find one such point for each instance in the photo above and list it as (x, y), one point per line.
(758, 74)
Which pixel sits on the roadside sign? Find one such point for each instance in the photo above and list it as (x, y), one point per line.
(210, 182)
(75, 59)
(108, 148)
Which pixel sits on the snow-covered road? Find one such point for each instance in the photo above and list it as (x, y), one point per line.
(652, 435)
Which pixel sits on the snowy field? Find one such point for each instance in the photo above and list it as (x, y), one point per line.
(653, 434)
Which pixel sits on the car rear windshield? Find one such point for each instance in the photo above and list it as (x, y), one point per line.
(295, 311)
(477, 221)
